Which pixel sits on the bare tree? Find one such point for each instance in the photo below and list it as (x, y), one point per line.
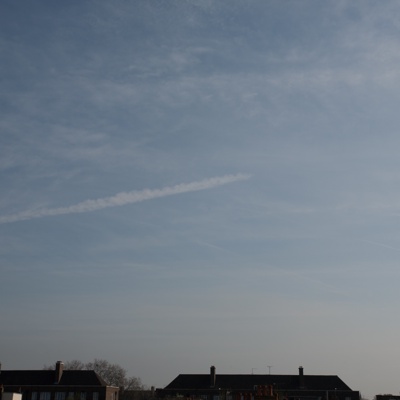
(113, 374)
(71, 365)
(134, 383)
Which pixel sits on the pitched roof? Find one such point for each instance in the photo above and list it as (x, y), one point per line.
(247, 382)
(47, 377)
(81, 377)
(27, 377)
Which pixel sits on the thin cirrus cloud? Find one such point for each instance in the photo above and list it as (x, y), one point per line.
(123, 198)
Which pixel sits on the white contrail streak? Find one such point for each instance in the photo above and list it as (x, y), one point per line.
(120, 199)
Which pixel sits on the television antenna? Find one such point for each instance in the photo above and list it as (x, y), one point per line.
(269, 369)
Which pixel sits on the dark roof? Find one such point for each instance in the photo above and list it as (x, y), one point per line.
(247, 382)
(47, 377)
(83, 377)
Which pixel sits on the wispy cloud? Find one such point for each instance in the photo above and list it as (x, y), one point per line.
(386, 246)
(123, 198)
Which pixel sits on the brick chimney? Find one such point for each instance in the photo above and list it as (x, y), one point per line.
(59, 370)
(212, 376)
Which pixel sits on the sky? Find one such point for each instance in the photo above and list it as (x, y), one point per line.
(193, 183)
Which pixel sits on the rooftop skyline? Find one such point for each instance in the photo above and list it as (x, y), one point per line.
(193, 183)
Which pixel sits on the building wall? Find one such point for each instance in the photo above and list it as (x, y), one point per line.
(65, 392)
(11, 396)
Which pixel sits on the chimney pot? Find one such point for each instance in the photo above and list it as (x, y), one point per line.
(212, 376)
(302, 382)
(59, 370)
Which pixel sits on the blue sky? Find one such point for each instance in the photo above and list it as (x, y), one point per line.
(188, 183)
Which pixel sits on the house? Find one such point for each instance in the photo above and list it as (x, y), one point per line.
(138, 394)
(57, 384)
(214, 386)
(387, 397)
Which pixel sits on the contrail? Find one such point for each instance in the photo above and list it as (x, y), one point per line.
(123, 198)
(381, 245)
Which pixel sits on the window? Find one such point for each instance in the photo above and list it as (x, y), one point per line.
(83, 396)
(34, 396)
(44, 396)
(95, 395)
(60, 396)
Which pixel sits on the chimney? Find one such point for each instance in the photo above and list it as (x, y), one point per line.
(301, 378)
(212, 376)
(59, 370)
